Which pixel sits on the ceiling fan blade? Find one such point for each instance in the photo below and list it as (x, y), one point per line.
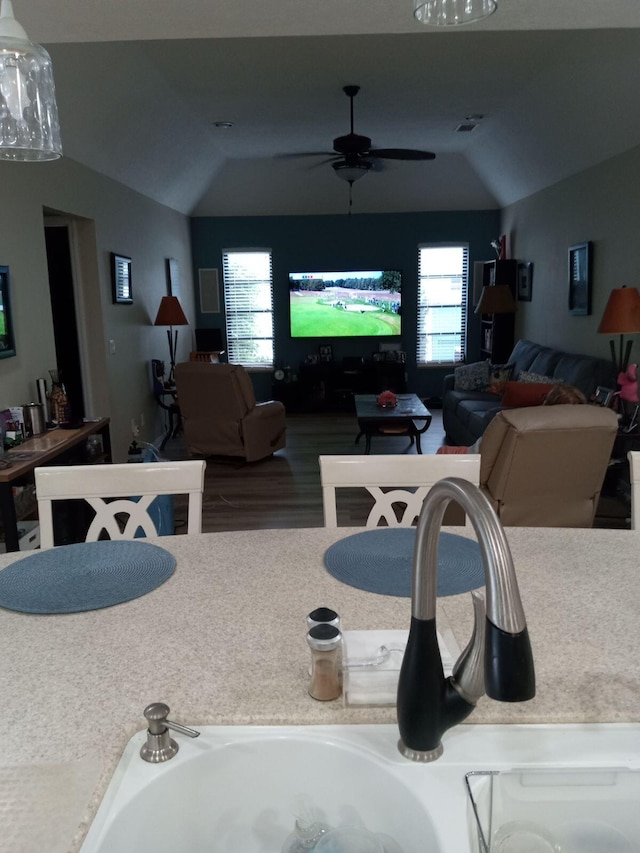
(401, 154)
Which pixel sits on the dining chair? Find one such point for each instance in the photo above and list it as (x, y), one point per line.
(634, 474)
(406, 478)
(133, 487)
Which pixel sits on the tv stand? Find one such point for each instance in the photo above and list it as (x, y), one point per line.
(331, 386)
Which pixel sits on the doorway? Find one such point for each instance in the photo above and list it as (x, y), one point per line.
(65, 321)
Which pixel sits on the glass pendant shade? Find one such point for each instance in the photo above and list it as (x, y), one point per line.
(451, 13)
(351, 172)
(29, 127)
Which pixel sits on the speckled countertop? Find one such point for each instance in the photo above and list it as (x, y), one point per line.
(222, 642)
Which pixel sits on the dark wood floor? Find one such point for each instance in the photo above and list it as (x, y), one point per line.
(284, 491)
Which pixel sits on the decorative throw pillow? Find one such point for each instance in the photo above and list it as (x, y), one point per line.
(526, 376)
(471, 377)
(498, 375)
(522, 394)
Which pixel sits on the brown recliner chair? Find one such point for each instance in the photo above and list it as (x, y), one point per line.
(543, 466)
(220, 415)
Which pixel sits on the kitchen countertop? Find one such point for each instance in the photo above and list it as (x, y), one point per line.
(223, 642)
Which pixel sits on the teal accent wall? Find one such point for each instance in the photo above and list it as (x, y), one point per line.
(365, 241)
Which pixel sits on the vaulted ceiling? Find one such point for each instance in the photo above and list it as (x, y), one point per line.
(140, 85)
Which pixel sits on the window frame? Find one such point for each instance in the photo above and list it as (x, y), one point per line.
(422, 335)
(236, 315)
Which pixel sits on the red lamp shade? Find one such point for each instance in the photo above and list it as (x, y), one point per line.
(622, 313)
(621, 317)
(496, 299)
(170, 313)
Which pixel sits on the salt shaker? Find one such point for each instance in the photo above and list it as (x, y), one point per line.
(325, 642)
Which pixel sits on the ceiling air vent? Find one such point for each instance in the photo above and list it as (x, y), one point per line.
(465, 128)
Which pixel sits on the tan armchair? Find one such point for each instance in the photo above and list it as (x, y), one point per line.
(220, 415)
(543, 466)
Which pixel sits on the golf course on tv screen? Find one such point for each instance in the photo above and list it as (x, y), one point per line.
(345, 304)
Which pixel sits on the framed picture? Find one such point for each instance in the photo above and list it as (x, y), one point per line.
(7, 342)
(173, 277)
(121, 279)
(580, 262)
(326, 352)
(525, 281)
(603, 396)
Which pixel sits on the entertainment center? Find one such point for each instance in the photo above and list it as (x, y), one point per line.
(331, 386)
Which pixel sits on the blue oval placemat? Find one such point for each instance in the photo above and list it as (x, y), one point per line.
(86, 576)
(381, 561)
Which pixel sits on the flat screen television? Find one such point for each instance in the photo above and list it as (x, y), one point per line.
(354, 304)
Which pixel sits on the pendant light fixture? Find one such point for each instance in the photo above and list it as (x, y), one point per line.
(29, 128)
(451, 13)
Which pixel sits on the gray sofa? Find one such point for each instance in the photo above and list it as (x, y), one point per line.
(466, 414)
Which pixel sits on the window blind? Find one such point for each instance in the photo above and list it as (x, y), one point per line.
(443, 281)
(248, 300)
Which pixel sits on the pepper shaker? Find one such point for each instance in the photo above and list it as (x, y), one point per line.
(325, 642)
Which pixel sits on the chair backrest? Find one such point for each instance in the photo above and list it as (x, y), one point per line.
(634, 473)
(209, 391)
(409, 478)
(544, 466)
(135, 484)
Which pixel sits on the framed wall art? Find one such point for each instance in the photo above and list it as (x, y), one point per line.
(173, 277)
(7, 341)
(121, 279)
(580, 263)
(525, 281)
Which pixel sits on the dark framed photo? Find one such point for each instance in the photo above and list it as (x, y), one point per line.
(326, 352)
(603, 396)
(580, 263)
(173, 277)
(121, 279)
(525, 281)
(7, 341)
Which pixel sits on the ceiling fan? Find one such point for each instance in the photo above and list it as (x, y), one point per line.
(353, 156)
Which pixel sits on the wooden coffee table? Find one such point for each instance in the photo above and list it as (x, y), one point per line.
(399, 420)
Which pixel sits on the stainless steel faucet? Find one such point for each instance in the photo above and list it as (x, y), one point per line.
(159, 745)
(498, 657)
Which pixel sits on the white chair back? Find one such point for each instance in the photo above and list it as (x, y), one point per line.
(634, 474)
(374, 473)
(92, 483)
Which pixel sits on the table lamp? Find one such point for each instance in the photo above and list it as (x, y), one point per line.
(621, 317)
(170, 314)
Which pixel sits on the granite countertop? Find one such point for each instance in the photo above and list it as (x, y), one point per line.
(222, 642)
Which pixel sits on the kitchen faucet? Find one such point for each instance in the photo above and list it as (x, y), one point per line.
(498, 657)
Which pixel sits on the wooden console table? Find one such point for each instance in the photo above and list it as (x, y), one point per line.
(48, 447)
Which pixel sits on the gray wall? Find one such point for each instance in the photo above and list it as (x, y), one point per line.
(109, 217)
(602, 205)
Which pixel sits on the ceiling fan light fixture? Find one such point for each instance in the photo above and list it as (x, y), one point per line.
(450, 13)
(351, 172)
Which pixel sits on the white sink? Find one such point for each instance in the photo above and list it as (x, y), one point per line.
(233, 789)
